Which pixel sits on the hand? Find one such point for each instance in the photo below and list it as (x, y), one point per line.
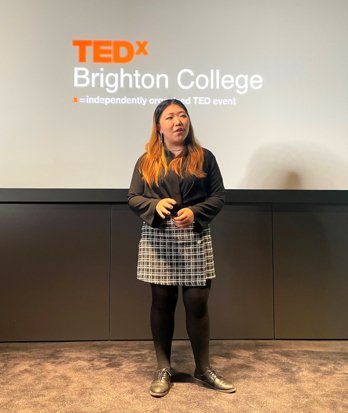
(164, 207)
(184, 218)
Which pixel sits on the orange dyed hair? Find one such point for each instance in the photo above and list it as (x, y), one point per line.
(153, 164)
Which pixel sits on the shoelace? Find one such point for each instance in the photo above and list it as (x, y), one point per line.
(161, 374)
(212, 373)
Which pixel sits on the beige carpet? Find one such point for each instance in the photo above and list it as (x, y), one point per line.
(105, 377)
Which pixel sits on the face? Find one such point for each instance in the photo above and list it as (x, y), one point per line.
(174, 123)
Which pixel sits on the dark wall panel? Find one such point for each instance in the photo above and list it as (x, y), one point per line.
(54, 272)
(311, 272)
(129, 298)
(68, 272)
(242, 295)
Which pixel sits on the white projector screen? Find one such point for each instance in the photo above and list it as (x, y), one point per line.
(265, 82)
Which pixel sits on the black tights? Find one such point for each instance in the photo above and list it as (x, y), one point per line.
(164, 299)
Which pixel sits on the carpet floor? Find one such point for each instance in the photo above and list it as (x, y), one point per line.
(114, 376)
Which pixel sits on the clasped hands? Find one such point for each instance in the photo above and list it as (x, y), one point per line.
(184, 217)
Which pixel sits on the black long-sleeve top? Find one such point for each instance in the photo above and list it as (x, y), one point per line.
(205, 196)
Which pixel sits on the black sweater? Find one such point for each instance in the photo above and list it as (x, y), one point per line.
(205, 196)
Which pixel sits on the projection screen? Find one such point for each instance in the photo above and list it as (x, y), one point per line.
(265, 82)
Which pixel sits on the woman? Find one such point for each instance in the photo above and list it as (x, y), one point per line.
(177, 189)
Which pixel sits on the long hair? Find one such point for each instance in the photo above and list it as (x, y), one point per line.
(153, 164)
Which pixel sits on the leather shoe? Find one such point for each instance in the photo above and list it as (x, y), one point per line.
(211, 379)
(161, 383)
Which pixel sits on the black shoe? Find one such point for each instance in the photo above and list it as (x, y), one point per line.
(212, 380)
(161, 383)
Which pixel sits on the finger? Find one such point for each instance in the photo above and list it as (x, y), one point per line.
(183, 223)
(171, 201)
(160, 213)
(184, 216)
(163, 208)
(186, 211)
(168, 201)
(179, 225)
(167, 205)
(180, 218)
(165, 213)
(183, 213)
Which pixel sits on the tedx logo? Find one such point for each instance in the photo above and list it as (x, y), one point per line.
(109, 51)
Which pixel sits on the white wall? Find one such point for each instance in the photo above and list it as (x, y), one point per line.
(288, 132)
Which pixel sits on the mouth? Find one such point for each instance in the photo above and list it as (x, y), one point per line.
(179, 130)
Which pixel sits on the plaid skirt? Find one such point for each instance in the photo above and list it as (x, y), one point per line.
(175, 256)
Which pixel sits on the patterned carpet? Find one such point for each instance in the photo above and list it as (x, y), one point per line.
(112, 377)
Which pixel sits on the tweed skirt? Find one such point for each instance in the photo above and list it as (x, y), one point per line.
(175, 256)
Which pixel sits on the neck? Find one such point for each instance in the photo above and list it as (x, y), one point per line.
(175, 149)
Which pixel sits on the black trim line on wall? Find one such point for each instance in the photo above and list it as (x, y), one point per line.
(119, 196)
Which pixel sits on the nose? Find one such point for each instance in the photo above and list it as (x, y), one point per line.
(178, 121)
